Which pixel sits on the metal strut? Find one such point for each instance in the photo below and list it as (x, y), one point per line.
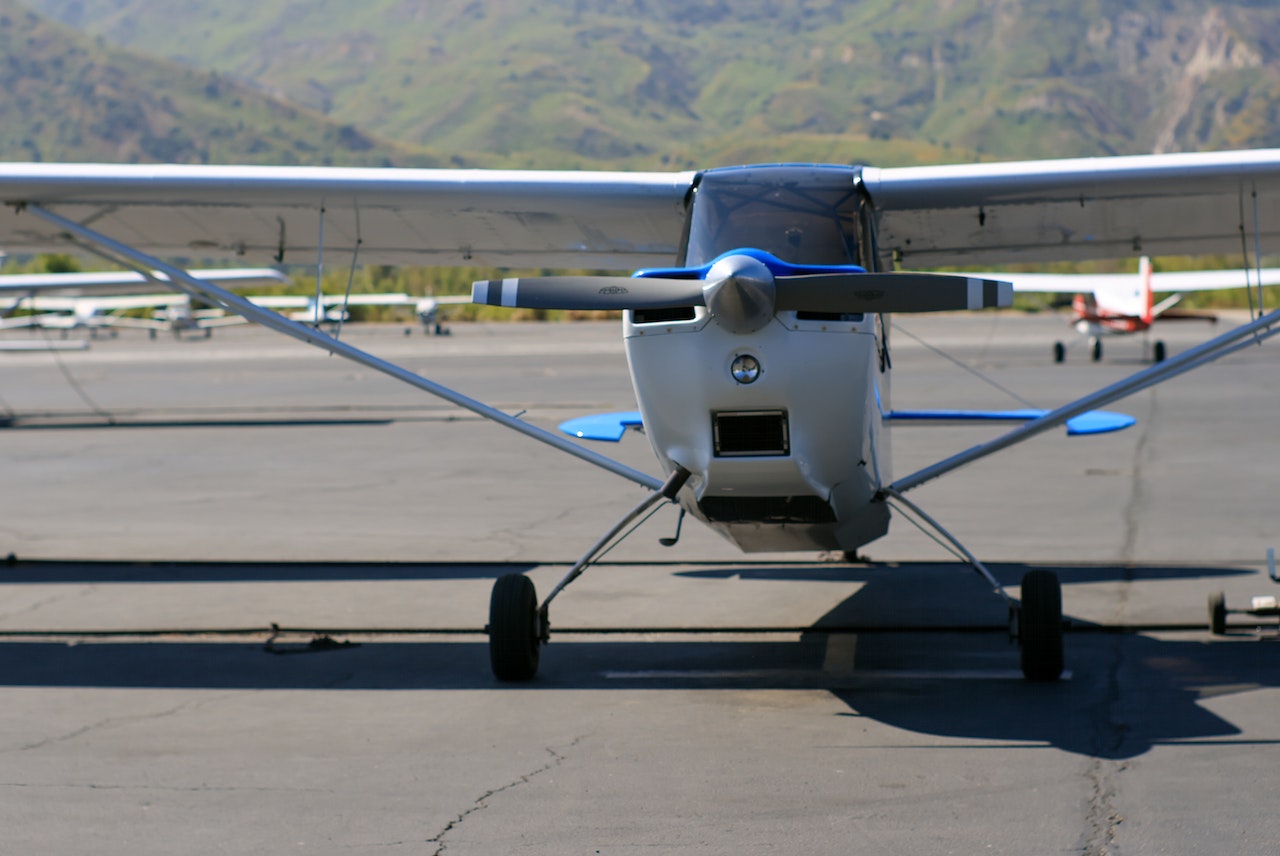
(969, 557)
(181, 280)
(668, 491)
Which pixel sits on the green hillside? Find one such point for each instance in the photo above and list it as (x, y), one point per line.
(661, 83)
(71, 98)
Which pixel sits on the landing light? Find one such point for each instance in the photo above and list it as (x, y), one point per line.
(745, 368)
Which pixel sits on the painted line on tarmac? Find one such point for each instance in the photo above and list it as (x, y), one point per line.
(859, 674)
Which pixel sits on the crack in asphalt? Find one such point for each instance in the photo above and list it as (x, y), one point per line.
(110, 721)
(1137, 495)
(61, 595)
(1103, 818)
(481, 801)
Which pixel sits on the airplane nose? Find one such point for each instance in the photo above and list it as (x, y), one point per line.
(740, 293)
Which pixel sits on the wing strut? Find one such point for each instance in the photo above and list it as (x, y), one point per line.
(1230, 342)
(180, 279)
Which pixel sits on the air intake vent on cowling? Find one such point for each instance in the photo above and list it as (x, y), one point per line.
(750, 432)
(663, 315)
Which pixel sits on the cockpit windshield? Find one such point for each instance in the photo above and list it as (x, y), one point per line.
(801, 214)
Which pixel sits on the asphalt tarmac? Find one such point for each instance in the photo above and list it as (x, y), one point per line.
(247, 582)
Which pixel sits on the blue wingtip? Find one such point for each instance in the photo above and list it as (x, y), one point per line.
(602, 426)
(1099, 422)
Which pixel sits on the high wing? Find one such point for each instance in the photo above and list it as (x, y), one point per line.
(1084, 208)
(605, 220)
(924, 216)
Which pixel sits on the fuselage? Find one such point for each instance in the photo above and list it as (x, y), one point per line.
(781, 426)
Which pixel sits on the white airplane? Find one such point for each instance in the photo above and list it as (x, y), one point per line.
(756, 333)
(1119, 304)
(95, 300)
(332, 308)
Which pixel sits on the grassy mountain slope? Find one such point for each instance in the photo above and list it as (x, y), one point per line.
(70, 98)
(670, 83)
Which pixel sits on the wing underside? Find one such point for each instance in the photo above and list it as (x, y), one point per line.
(395, 216)
(1087, 208)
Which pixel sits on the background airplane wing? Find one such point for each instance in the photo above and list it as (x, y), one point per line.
(610, 220)
(1076, 209)
(1174, 281)
(1212, 280)
(59, 303)
(123, 281)
(1067, 283)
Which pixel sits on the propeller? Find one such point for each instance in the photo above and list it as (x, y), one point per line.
(587, 292)
(743, 289)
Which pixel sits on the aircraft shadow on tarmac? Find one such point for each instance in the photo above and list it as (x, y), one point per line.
(1126, 692)
(54, 572)
(99, 422)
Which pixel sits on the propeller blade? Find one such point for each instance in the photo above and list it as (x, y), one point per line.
(588, 292)
(890, 292)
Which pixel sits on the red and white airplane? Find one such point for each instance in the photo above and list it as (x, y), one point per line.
(1121, 304)
(756, 331)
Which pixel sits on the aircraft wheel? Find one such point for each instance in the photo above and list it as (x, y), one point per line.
(1158, 352)
(1095, 350)
(1059, 352)
(1040, 626)
(513, 628)
(1217, 613)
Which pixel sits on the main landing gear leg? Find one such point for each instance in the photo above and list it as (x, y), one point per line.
(1035, 621)
(518, 627)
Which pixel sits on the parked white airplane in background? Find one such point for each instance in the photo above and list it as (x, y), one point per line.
(1119, 304)
(331, 308)
(757, 335)
(96, 300)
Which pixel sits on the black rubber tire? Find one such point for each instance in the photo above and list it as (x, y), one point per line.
(1158, 352)
(1217, 613)
(1059, 352)
(513, 628)
(1040, 626)
(1095, 351)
